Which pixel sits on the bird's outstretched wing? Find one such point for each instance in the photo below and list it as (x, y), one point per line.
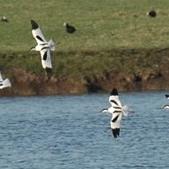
(114, 99)
(5, 83)
(115, 123)
(46, 58)
(37, 33)
(1, 77)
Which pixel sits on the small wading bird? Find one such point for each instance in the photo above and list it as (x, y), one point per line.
(69, 28)
(43, 46)
(117, 111)
(4, 83)
(166, 106)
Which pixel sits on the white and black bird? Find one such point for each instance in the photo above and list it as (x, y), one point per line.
(69, 28)
(43, 46)
(166, 106)
(117, 112)
(4, 83)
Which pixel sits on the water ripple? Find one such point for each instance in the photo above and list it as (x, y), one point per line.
(70, 132)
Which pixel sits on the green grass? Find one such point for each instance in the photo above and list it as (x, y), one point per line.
(101, 24)
(90, 64)
(104, 30)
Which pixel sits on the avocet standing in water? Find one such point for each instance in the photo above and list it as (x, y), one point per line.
(117, 111)
(43, 46)
(4, 83)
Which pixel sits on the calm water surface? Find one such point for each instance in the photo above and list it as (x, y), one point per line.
(69, 132)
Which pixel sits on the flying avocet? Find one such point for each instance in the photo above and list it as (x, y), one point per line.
(117, 111)
(43, 46)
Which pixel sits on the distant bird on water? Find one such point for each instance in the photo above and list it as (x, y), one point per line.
(167, 96)
(166, 106)
(43, 46)
(4, 83)
(69, 28)
(117, 112)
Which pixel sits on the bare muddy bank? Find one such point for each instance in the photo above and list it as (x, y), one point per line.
(27, 84)
(87, 71)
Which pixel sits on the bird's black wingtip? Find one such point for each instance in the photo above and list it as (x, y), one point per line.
(48, 72)
(116, 132)
(152, 13)
(167, 95)
(114, 92)
(34, 24)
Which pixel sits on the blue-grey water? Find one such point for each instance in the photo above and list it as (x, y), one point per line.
(70, 132)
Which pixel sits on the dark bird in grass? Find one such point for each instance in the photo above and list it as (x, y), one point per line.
(152, 13)
(69, 28)
(4, 19)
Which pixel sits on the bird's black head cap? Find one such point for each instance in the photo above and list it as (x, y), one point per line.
(167, 95)
(34, 24)
(114, 92)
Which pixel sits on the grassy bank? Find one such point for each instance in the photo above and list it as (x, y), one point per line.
(101, 25)
(83, 71)
(81, 64)
(115, 42)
